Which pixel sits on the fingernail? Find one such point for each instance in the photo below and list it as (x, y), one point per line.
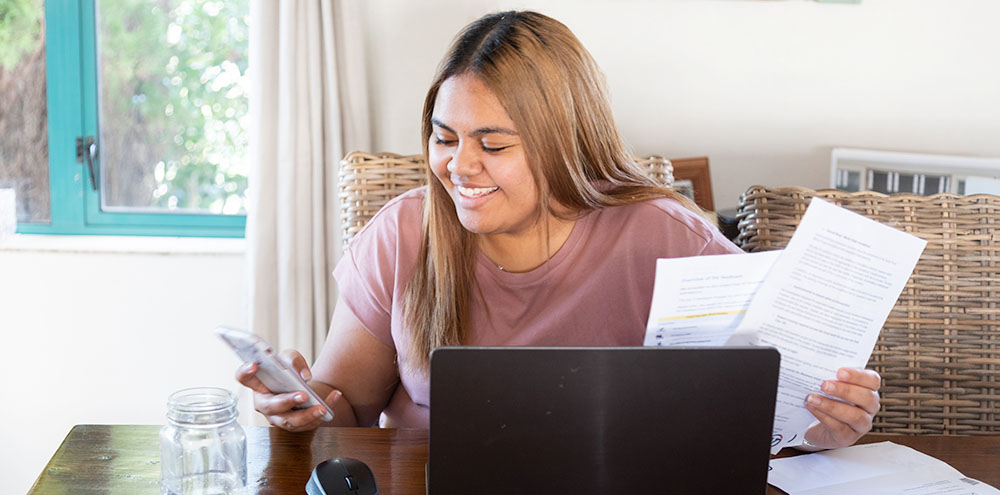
(813, 399)
(306, 375)
(319, 412)
(828, 387)
(843, 375)
(247, 366)
(300, 397)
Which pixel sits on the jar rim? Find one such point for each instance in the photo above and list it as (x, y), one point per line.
(201, 399)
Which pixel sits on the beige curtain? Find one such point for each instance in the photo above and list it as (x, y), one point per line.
(308, 106)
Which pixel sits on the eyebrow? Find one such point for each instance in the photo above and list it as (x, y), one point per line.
(478, 132)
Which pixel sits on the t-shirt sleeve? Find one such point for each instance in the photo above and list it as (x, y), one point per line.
(687, 232)
(367, 273)
(365, 294)
(718, 244)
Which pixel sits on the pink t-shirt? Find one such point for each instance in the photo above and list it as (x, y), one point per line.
(595, 291)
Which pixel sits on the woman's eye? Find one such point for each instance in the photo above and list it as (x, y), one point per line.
(494, 150)
(442, 141)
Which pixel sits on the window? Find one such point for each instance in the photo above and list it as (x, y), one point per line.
(138, 123)
(891, 172)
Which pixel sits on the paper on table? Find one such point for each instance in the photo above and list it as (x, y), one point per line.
(877, 468)
(700, 300)
(823, 304)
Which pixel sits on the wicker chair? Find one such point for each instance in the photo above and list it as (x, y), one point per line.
(939, 351)
(368, 181)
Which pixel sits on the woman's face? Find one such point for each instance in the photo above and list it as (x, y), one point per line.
(477, 154)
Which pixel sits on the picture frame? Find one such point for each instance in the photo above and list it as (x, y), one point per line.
(693, 174)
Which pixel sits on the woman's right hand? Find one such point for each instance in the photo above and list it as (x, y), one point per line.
(277, 408)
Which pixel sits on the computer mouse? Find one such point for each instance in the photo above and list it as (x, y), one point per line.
(342, 476)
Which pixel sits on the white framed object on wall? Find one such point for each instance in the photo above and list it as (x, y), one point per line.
(889, 172)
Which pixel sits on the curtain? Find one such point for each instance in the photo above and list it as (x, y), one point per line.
(308, 107)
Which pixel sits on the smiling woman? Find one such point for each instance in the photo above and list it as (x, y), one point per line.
(529, 180)
(518, 104)
(536, 228)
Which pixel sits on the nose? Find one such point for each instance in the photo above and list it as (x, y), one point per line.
(464, 162)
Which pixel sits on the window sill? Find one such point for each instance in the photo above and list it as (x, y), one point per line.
(122, 244)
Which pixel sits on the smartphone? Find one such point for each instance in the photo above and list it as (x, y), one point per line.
(271, 371)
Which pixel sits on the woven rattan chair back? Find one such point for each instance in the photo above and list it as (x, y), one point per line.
(368, 181)
(939, 351)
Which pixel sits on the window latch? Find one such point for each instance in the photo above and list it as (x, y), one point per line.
(86, 149)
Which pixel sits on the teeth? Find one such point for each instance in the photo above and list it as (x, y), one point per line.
(475, 192)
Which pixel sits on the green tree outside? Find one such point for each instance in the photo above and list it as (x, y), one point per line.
(23, 109)
(20, 30)
(173, 99)
(173, 104)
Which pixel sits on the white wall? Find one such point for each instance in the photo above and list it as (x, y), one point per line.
(765, 89)
(102, 330)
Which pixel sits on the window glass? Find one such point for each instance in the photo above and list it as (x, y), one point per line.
(933, 184)
(879, 181)
(907, 183)
(853, 180)
(848, 180)
(173, 105)
(24, 141)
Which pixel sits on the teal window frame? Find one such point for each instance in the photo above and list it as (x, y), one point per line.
(71, 82)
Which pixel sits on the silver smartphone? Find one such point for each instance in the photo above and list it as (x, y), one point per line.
(272, 372)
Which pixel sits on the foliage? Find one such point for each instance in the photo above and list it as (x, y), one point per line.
(20, 30)
(174, 102)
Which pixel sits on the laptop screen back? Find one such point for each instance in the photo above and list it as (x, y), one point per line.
(601, 420)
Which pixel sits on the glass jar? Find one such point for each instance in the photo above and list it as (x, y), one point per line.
(203, 450)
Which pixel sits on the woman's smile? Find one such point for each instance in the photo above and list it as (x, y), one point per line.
(476, 192)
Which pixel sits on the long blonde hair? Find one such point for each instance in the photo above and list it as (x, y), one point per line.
(556, 96)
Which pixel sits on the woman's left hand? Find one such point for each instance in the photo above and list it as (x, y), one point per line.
(841, 424)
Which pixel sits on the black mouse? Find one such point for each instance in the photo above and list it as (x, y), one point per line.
(342, 476)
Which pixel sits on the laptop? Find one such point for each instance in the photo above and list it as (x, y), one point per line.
(567, 420)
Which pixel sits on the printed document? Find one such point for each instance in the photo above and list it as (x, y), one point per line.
(821, 302)
(700, 300)
(878, 468)
(823, 305)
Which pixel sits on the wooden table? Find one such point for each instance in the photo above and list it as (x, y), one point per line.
(126, 458)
